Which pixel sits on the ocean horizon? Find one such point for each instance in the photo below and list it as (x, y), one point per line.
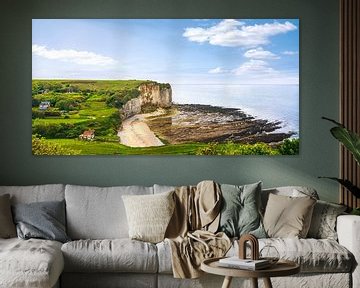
(268, 102)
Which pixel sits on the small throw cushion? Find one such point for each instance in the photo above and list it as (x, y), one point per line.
(323, 221)
(7, 226)
(240, 213)
(149, 215)
(288, 217)
(43, 220)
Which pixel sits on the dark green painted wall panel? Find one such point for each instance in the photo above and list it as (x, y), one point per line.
(318, 96)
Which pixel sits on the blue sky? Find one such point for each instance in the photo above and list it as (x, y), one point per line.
(177, 51)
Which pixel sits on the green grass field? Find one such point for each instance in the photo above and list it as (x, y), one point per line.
(114, 148)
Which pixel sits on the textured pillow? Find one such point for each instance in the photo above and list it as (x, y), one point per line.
(44, 220)
(288, 217)
(7, 227)
(149, 215)
(323, 222)
(240, 210)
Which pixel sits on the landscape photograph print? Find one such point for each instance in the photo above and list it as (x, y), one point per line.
(165, 87)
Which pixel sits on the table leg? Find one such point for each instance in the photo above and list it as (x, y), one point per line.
(254, 282)
(227, 282)
(267, 283)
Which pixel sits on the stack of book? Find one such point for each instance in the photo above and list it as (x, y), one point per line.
(248, 264)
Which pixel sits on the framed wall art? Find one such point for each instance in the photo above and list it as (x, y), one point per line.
(165, 86)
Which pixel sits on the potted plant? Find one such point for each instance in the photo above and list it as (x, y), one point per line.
(351, 141)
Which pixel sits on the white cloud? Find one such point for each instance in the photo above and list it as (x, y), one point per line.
(233, 33)
(254, 67)
(74, 56)
(217, 70)
(257, 71)
(290, 52)
(260, 53)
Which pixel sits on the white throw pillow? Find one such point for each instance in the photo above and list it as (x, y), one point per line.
(149, 215)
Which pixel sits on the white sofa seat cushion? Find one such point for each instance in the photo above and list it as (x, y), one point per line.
(116, 255)
(30, 263)
(313, 255)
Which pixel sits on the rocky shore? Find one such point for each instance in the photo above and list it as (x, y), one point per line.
(204, 123)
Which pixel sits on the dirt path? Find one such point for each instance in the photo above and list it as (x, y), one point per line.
(136, 133)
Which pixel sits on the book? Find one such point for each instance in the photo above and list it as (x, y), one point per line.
(248, 264)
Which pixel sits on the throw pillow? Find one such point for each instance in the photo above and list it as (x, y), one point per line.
(240, 213)
(7, 227)
(323, 222)
(288, 217)
(43, 220)
(149, 215)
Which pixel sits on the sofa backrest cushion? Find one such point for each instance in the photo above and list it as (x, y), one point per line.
(98, 212)
(35, 193)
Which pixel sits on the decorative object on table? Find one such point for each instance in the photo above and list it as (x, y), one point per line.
(254, 246)
(351, 141)
(269, 253)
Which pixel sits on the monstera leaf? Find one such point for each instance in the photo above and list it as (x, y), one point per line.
(352, 142)
(348, 138)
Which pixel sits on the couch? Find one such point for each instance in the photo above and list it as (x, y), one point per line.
(101, 254)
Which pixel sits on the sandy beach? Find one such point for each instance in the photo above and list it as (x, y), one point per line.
(136, 133)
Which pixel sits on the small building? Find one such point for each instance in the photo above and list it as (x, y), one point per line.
(88, 135)
(44, 105)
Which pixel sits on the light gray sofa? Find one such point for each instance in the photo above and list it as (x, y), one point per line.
(101, 254)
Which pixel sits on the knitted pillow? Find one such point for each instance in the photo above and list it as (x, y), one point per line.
(149, 215)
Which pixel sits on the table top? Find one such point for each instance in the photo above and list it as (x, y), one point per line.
(281, 268)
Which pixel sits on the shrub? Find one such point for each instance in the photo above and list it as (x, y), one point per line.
(289, 147)
(231, 148)
(41, 147)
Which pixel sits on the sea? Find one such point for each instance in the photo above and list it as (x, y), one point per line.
(269, 102)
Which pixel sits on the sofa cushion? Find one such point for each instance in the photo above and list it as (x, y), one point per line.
(117, 255)
(149, 215)
(287, 216)
(7, 226)
(34, 193)
(98, 212)
(30, 263)
(313, 255)
(43, 220)
(323, 222)
(240, 210)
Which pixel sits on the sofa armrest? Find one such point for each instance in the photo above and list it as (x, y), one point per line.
(348, 230)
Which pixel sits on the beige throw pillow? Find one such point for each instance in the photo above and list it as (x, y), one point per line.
(288, 217)
(7, 226)
(149, 215)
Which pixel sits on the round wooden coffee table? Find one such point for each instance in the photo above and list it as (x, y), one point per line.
(281, 268)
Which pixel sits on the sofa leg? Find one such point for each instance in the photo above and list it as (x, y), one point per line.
(267, 283)
(227, 282)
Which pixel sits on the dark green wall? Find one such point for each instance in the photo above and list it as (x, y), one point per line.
(318, 96)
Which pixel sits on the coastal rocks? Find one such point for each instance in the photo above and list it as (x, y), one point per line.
(151, 94)
(204, 123)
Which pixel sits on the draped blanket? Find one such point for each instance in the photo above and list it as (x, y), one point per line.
(191, 231)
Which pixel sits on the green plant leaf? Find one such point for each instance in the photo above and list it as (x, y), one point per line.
(348, 138)
(347, 184)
